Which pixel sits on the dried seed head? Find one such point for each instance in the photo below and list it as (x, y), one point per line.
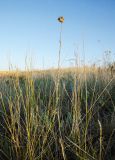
(61, 19)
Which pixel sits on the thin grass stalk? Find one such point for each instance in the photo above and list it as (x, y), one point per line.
(100, 140)
(60, 46)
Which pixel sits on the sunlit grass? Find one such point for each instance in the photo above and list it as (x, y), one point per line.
(57, 114)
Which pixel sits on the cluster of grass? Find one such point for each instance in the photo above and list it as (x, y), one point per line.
(57, 116)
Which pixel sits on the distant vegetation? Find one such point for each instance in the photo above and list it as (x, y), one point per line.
(64, 114)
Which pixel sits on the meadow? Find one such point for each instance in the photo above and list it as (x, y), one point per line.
(63, 114)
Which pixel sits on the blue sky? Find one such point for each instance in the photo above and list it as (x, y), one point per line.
(29, 28)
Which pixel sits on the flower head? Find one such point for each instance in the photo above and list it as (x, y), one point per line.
(61, 19)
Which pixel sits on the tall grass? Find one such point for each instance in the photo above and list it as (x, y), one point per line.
(69, 118)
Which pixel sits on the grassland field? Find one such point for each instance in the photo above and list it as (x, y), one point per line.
(63, 114)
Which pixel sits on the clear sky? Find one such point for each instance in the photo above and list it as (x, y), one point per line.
(29, 28)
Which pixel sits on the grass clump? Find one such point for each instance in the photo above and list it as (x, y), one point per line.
(45, 118)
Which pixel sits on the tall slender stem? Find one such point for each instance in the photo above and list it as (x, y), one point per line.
(60, 46)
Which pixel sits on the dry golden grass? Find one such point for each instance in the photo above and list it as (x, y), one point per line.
(57, 114)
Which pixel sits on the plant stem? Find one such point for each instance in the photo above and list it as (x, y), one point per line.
(60, 46)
